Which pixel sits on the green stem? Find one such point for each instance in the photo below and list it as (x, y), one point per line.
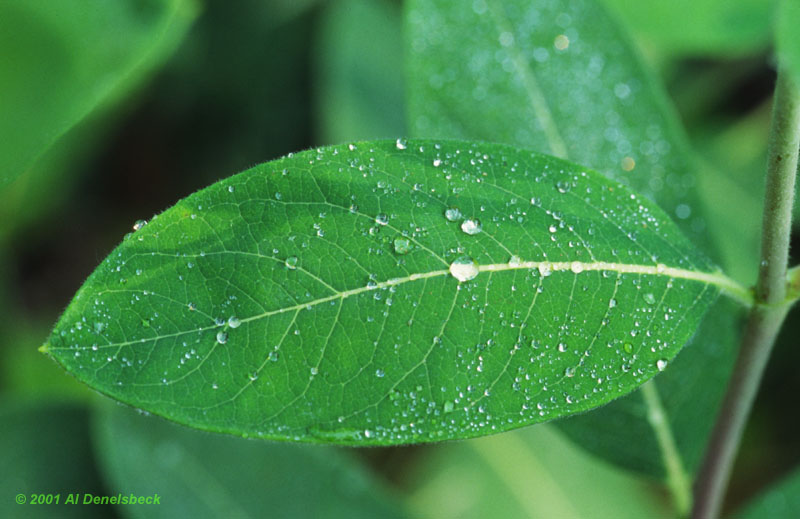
(771, 303)
(677, 479)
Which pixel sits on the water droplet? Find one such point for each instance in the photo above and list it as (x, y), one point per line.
(382, 219)
(562, 347)
(437, 163)
(401, 144)
(231, 189)
(402, 245)
(612, 303)
(661, 364)
(628, 347)
(576, 267)
(452, 214)
(448, 407)
(192, 307)
(291, 262)
(379, 373)
(471, 226)
(463, 268)
(514, 261)
(561, 42)
(569, 372)
(544, 269)
(273, 356)
(222, 337)
(138, 224)
(649, 298)
(234, 322)
(314, 371)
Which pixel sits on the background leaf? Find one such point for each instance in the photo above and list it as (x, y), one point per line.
(561, 77)
(531, 473)
(698, 27)
(358, 65)
(203, 475)
(317, 297)
(45, 449)
(787, 40)
(782, 500)
(70, 58)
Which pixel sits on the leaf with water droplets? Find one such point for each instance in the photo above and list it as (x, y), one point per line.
(559, 76)
(462, 335)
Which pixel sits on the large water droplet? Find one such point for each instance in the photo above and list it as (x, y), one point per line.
(471, 226)
(234, 322)
(291, 262)
(139, 224)
(661, 364)
(452, 214)
(649, 298)
(463, 268)
(222, 337)
(402, 245)
(401, 144)
(382, 219)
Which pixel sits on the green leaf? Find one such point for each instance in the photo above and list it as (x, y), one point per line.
(561, 77)
(359, 83)
(201, 475)
(699, 27)
(531, 473)
(64, 59)
(787, 39)
(389, 292)
(781, 500)
(45, 449)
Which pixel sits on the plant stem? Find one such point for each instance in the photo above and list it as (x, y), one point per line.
(771, 303)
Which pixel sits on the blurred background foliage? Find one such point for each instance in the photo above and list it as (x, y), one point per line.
(112, 111)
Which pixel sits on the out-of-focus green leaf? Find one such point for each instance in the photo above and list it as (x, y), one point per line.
(23, 370)
(204, 475)
(45, 449)
(787, 37)
(534, 473)
(390, 292)
(781, 501)
(359, 83)
(698, 27)
(62, 60)
(560, 76)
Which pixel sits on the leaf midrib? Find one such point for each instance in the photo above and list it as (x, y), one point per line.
(725, 284)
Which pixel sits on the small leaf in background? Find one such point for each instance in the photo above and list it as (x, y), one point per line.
(563, 77)
(358, 64)
(389, 292)
(45, 449)
(69, 58)
(698, 27)
(782, 500)
(201, 475)
(533, 473)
